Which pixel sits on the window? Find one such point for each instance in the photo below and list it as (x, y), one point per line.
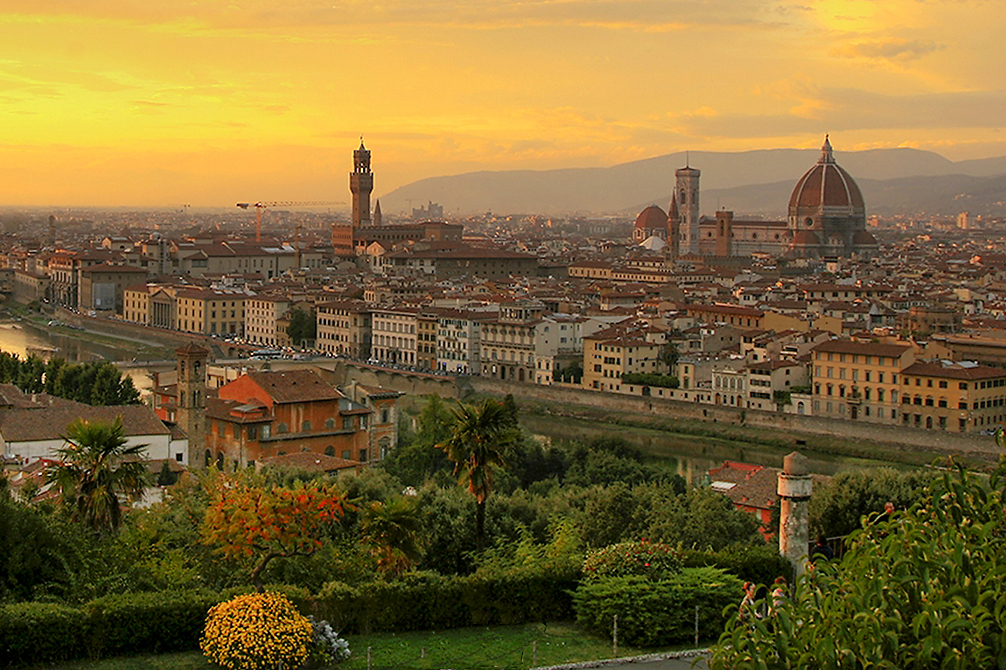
(943, 384)
(305, 426)
(330, 451)
(221, 430)
(252, 432)
(962, 405)
(282, 428)
(346, 454)
(963, 386)
(330, 423)
(363, 455)
(347, 423)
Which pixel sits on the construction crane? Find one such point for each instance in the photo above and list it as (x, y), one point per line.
(259, 206)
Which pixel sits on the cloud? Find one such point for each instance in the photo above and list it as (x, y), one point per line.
(833, 109)
(888, 49)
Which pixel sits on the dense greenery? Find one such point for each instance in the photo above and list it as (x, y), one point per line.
(840, 505)
(396, 549)
(93, 383)
(922, 589)
(303, 326)
(650, 379)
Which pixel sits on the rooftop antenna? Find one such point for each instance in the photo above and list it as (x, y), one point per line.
(688, 158)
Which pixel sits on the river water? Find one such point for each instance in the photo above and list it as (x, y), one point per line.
(692, 456)
(17, 336)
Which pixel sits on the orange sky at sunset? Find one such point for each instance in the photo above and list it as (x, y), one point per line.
(155, 103)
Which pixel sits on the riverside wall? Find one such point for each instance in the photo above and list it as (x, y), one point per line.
(951, 443)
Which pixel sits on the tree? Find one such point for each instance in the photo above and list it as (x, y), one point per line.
(478, 442)
(303, 326)
(838, 507)
(668, 356)
(393, 530)
(921, 590)
(96, 467)
(270, 522)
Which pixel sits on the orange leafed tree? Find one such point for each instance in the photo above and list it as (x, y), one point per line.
(270, 522)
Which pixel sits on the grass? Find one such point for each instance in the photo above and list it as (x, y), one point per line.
(498, 647)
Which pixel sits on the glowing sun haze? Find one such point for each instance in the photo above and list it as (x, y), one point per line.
(155, 102)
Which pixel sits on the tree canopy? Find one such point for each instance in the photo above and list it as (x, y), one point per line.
(92, 383)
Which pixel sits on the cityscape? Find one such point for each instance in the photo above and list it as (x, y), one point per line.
(441, 336)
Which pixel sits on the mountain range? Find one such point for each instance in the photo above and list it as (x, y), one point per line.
(893, 181)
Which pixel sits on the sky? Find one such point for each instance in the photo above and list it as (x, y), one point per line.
(203, 102)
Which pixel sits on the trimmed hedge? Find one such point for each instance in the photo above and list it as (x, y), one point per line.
(658, 613)
(40, 633)
(428, 601)
(157, 622)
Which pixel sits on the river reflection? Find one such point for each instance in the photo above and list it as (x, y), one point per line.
(693, 456)
(16, 337)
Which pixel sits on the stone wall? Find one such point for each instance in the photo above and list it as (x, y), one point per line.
(673, 409)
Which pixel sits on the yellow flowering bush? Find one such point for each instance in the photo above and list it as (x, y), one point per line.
(258, 631)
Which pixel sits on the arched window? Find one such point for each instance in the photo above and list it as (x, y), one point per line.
(330, 451)
(330, 423)
(305, 426)
(880, 395)
(208, 458)
(220, 461)
(282, 428)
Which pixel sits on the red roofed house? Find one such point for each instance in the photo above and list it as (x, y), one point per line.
(265, 414)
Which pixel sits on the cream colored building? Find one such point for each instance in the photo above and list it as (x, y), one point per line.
(859, 381)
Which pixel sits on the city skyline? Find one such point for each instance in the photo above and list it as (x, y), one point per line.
(125, 102)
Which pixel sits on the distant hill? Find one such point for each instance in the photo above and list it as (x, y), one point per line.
(752, 182)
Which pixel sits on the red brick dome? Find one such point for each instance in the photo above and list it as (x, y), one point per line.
(826, 185)
(651, 218)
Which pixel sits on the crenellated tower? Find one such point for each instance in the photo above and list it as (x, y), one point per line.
(361, 183)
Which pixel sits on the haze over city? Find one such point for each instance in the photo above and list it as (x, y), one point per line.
(139, 103)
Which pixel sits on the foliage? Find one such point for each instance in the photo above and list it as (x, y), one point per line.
(751, 563)
(479, 438)
(166, 477)
(327, 647)
(838, 507)
(270, 522)
(303, 326)
(393, 530)
(652, 560)
(781, 397)
(257, 631)
(97, 466)
(40, 633)
(921, 590)
(92, 383)
(134, 622)
(572, 373)
(417, 457)
(652, 613)
(37, 561)
(669, 355)
(651, 379)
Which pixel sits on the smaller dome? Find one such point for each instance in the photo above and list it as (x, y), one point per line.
(651, 218)
(653, 243)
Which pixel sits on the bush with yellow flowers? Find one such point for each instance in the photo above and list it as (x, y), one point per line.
(258, 631)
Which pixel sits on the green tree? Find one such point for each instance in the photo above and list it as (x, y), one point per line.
(478, 443)
(303, 326)
(922, 590)
(96, 467)
(668, 356)
(837, 507)
(393, 530)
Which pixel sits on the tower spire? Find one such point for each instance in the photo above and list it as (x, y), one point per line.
(826, 154)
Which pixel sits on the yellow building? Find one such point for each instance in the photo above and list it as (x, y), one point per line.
(344, 328)
(859, 381)
(946, 395)
(211, 312)
(620, 350)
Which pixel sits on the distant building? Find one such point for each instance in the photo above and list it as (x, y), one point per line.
(431, 211)
(361, 183)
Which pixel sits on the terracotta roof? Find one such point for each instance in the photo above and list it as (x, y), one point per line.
(950, 370)
(651, 218)
(49, 423)
(310, 461)
(295, 386)
(864, 348)
(826, 185)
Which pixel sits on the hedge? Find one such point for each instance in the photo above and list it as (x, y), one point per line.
(658, 613)
(40, 633)
(428, 601)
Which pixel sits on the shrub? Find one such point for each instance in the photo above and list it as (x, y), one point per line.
(256, 631)
(652, 560)
(652, 613)
(760, 564)
(155, 622)
(326, 645)
(40, 633)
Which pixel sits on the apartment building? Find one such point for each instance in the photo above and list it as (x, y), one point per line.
(210, 311)
(395, 335)
(263, 314)
(344, 328)
(459, 340)
(507, 342)
(622, 349)
(956, 396)
(859, 380)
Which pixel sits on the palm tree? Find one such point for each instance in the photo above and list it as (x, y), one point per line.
(393, 530)
(97, 466)
(478, 442)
